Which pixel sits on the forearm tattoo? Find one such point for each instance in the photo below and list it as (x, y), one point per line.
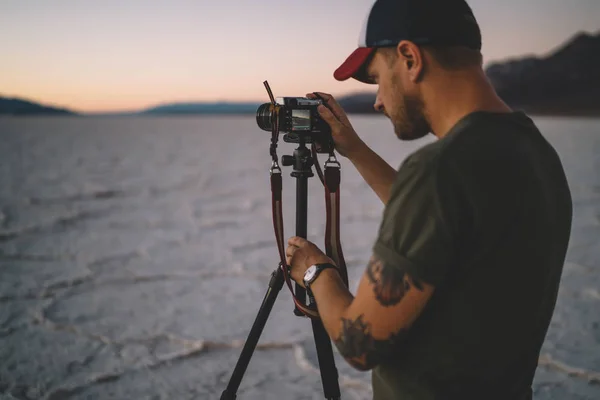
(360, 349)
(390, 284)
(356, 343)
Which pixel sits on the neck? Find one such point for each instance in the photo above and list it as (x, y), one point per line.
(464, 92)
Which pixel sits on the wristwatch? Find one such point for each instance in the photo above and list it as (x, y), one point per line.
(313, 272)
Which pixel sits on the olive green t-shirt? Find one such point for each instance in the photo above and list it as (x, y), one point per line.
(484, 215)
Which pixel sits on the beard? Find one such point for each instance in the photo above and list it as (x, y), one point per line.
(409, 119)
(408, 116)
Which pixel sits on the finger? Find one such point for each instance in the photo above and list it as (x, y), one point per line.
(335, 107)
(328, 116)
(296, 241)
(325, 96)
(289, 251)
(311, 96)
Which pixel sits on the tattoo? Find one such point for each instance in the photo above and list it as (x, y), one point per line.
(390, 284)
(358, 346)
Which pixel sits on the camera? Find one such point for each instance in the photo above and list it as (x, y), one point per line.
(299, 118)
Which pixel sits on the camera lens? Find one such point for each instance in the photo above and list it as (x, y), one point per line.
(264, 117)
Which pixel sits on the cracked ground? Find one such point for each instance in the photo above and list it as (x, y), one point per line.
(135, 253)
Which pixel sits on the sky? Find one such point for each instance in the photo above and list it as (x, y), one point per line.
(111, 55)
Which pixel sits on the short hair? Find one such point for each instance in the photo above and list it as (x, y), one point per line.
(455, 57)
(451, 58)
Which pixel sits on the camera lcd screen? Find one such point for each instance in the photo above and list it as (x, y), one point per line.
(301, 120)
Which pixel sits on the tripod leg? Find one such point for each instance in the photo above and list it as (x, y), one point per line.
(275, 285)
(329, 373)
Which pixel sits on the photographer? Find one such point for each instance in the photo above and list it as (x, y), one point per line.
(459, 292)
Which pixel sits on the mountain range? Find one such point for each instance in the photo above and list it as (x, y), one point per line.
(564, 82)
(203, 108)
(15, 106)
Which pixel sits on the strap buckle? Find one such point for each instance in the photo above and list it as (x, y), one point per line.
(332, 160)
(275, 169)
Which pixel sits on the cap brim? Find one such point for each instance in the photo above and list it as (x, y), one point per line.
(355, 65)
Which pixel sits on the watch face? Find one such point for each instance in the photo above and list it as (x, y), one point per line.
(310, 273)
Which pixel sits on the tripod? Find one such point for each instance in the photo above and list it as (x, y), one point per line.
(302, 162)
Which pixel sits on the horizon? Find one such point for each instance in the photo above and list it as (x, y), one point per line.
(126, 57)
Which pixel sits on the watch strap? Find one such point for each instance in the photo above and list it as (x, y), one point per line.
(320, 268)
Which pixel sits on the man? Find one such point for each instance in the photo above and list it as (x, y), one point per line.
(457, 297)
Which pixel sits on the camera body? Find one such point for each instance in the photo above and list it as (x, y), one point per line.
(298, 118)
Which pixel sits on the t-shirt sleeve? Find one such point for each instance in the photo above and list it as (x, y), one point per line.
(418, 230)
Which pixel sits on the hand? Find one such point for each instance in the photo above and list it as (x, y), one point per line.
(344, 136)
(300, 255)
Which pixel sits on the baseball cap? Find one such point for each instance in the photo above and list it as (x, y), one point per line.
(423, 22)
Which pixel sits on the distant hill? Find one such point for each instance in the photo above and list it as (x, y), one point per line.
(358, 103)
(351, 103)
(15, 106)
(203, 108)
(566, 82)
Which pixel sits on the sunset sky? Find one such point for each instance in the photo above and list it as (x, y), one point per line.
(109, 55)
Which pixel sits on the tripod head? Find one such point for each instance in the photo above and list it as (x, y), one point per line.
(301, 160)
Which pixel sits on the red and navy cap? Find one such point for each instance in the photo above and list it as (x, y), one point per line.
(423, 22)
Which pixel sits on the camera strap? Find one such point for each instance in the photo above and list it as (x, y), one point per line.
(331, 182)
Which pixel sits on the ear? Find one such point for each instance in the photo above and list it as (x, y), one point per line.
(411, 58)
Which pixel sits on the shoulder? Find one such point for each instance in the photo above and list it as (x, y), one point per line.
(425, 164)
(442, 151)
(479, 140)
(479, 151)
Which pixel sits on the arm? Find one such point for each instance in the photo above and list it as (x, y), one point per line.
(368, 327)
(374, 170)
